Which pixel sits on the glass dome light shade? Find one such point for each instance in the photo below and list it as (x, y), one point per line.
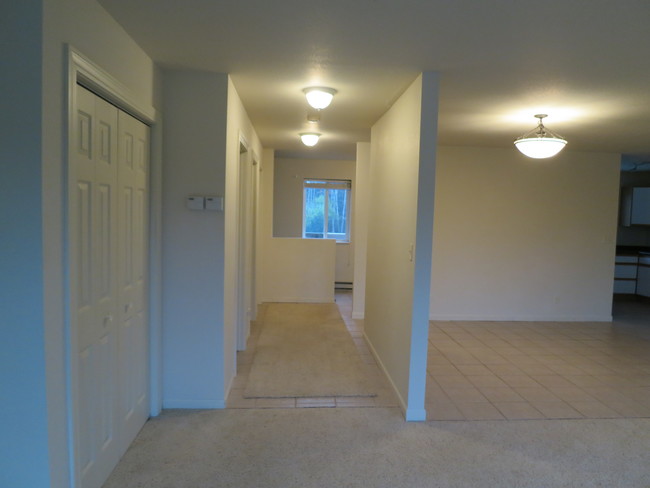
(309, 138)
(540, 147)
(319, 97)
(540, 143)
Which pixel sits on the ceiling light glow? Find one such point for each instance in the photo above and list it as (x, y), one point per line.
(319, 97)
(309, 138)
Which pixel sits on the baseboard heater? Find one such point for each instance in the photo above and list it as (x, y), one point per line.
(342, 285)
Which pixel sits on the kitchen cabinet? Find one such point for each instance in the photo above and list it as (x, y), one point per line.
(635, 206)
(625, 274)
(643, 276)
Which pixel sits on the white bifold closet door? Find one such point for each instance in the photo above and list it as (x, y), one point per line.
(107, 222)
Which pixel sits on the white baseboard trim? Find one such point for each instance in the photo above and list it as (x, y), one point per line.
(328, 299)
(203, 404)
(402, 403)
(521, 318)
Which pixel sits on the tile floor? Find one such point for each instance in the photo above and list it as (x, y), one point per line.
(510, 370)
(541, 370)
(385, 396)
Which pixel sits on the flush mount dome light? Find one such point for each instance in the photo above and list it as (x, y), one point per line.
(319, 97)
(309, 138)
(540, 142)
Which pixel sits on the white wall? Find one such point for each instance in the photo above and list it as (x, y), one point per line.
(193, 241)
(239, 128)
(265, 219)
(360, 234)
(288, 202)
(402, 177)
(290, 270)
(298, 270)
(24, 448)
(522, 239)
(33, 346)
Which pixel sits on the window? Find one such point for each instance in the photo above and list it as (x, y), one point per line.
(326, 210)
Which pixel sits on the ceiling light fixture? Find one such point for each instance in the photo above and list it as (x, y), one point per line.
(309, 138)
(319, 97)
(540, 142)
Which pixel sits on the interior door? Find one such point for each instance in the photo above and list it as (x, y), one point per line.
(107, 248)
(132, 260)
(93, 251)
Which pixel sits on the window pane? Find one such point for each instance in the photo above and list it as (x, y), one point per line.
(314, 212)
(336, 214)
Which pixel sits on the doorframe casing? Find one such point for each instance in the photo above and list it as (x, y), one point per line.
(81, 70)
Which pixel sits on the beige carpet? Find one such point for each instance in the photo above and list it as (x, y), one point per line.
(304, 350)
(375, 448)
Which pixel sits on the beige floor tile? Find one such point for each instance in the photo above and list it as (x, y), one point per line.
(566, 369)
(386, 398)
(505, 369)
(641, 380)
(452, 381)
(486, 380)
(317, 402)
(536, 394)
(479, 411)
(557, 410)
(594, 409)
(239, 402)
(552, 380)
(443, 370)
(437, 359)
(275, 403)
(520, 380)
(518, 411)
(585, 380)
(500, 394)
(460, 358)
(355, 402)
(464, 394)
(571, 394)
(443, 411)
(536, 369)
(474, 369)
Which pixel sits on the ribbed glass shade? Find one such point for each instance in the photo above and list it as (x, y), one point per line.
(309, 138)
(540, 147)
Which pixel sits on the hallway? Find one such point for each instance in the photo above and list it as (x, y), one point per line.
(384, 398)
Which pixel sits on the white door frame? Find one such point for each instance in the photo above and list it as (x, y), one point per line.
(81, 70)
(242, 224)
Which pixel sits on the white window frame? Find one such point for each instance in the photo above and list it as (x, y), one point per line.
(328, 184)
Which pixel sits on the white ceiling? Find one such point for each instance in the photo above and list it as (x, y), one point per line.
(586, 63)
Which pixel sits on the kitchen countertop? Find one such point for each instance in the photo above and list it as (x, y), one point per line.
(632, 250)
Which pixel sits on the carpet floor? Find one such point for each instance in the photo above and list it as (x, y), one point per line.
(305, 350)
(374, 447)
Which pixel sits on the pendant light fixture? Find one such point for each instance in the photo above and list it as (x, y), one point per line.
(540, 142)
(319, 97)
(309, 138)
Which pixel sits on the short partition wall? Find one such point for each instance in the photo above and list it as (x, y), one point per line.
(298, 270)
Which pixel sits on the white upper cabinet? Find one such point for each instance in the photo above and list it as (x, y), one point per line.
(640, 214)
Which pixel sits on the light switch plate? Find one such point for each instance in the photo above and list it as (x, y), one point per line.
(214, 203)
(195, 202)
